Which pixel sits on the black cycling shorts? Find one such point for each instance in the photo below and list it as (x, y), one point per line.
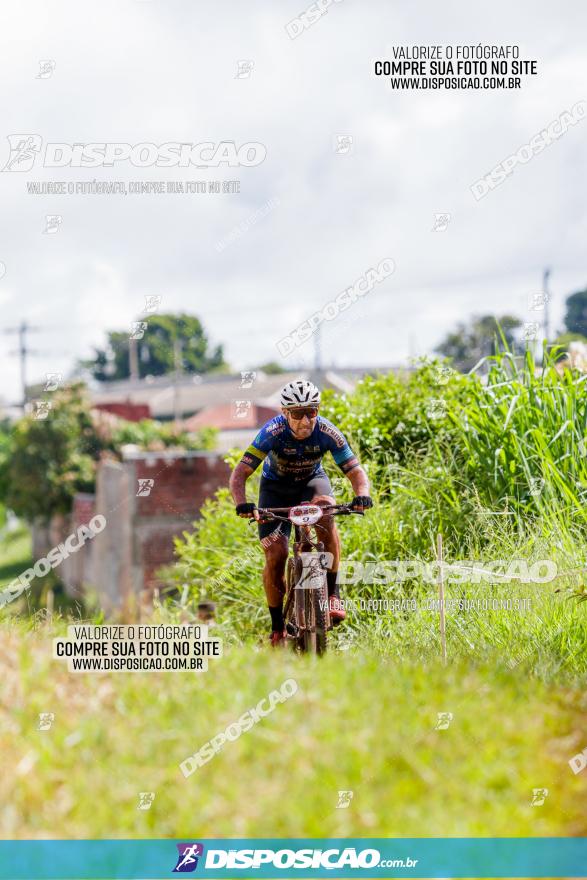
(275, 493)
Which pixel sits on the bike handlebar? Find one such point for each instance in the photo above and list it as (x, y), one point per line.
(270, 513)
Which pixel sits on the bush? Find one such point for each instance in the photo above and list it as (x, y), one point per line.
(48, 460)
(498, 470)
(153, 435)
(45, 462)
(391, 418)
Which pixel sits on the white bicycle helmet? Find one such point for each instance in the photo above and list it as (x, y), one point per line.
(299, 393)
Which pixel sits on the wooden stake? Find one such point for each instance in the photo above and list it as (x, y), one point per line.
(441, 596)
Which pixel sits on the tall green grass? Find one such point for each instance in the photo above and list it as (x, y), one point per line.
(496, 465)
(522, 438)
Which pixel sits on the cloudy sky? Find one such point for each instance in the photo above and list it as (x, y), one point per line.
(145, 71)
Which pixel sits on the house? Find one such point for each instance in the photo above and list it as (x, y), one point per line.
(236, 404)
(236, 422)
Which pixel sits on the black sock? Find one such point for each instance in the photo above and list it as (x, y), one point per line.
(333, 589)
(276, 618)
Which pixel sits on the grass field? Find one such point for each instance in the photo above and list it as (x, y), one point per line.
(357, 723)
(15, 554)
(502, 478)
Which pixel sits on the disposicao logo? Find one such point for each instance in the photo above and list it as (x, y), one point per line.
(187, 860)
(28, 150)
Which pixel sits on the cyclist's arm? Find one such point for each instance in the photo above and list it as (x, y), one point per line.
(359, 480)
(345, 458)
(253, 456)
(238, 479)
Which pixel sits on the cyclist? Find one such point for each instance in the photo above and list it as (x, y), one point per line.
(291, 447)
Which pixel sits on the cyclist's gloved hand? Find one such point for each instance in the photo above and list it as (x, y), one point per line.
(361, 502)
(247, 509)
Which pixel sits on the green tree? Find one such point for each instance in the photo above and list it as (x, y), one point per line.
(44, 462)
(480, 337)
(168, 341)
(576, 314)
(48, 460)
(271, 368)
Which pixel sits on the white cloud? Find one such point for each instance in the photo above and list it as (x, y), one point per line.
(147, 71)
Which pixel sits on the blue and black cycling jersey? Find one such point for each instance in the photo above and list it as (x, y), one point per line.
(290, 460)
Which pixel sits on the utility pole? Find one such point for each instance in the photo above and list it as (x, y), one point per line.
(22, 330)
(133, 359)
(318, 348)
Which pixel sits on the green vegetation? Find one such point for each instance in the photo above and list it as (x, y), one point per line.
(152, 435)
(45, 461)
(496, 467)
(15, 557)
(169, 342)
(48, 460)
(15, 554)
(271, 368)
(499, 468)
(477, 338)
(576, 314)
(356, 723)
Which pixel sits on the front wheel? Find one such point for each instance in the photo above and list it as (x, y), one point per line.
(293, 610)
(316, 616)
(306, 614)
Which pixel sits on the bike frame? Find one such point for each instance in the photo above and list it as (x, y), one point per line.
(306, 622)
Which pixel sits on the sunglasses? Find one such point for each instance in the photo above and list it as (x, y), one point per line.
(298, 414)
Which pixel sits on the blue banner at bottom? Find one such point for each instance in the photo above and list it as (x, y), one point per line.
(334, 857)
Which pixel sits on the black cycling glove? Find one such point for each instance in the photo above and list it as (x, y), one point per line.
(363, 501)
(247, 508)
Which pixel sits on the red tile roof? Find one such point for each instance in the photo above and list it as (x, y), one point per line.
(231, 416)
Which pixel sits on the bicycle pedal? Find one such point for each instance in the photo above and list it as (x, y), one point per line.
(291, 629)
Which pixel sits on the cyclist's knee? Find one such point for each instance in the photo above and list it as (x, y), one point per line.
(329, 526)
(323, 500)
(275, 549)
(327, 522)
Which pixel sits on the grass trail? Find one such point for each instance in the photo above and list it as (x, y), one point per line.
(356, 724)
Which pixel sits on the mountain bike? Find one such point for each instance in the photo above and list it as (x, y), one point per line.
(305, 612)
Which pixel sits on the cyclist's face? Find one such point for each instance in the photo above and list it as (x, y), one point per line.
(301, 427)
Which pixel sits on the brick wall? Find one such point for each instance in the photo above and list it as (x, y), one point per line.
(155, 548)
(112, 576)
(181, 485)
(77, 570)
(121, 563)
(46, 535)
(147, 500)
